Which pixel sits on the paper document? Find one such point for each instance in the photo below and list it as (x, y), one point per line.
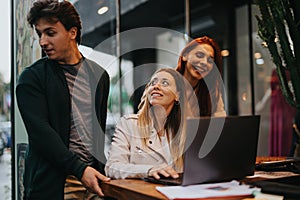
(232, 188)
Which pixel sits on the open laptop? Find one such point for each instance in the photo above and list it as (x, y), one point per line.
(218, 149)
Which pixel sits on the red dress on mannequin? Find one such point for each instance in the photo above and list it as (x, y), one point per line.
(281, 120)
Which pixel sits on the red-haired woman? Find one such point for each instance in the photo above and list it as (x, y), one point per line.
(200, 62)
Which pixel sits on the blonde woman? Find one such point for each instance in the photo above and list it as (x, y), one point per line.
(151, 142)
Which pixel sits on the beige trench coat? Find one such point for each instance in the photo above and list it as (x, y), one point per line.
(128, 157)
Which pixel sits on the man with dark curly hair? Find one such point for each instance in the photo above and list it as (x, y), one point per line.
(62, 99)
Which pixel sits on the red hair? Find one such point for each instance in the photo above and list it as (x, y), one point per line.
(206, 97)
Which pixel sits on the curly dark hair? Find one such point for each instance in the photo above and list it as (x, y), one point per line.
(54, 11)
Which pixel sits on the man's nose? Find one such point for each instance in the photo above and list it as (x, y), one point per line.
(43, 40)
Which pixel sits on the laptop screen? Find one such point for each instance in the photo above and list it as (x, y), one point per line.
(220, 148)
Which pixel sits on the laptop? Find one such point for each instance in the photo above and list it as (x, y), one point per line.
(217, 149)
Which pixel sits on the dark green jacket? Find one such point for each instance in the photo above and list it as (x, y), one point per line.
(44, 103)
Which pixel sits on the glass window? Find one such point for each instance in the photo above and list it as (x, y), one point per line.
(276, 114)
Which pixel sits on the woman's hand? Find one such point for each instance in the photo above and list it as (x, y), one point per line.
(163, 170)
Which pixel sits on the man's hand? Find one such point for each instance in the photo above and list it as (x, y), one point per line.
(90, 179)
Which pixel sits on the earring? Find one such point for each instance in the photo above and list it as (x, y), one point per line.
(177, 102)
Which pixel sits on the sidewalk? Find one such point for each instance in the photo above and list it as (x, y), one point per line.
(5, 176)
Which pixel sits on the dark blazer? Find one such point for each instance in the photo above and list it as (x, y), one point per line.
(44, 103)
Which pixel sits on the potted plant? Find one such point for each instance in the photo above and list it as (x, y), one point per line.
(279, 28)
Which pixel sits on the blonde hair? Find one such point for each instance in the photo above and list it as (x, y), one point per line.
(175, 125)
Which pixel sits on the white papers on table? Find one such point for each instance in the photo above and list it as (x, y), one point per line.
(232, 188)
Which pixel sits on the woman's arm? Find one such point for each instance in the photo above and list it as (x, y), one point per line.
(119, 163)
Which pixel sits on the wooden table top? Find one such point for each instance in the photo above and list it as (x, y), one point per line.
(268, 158)
(130, 189)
